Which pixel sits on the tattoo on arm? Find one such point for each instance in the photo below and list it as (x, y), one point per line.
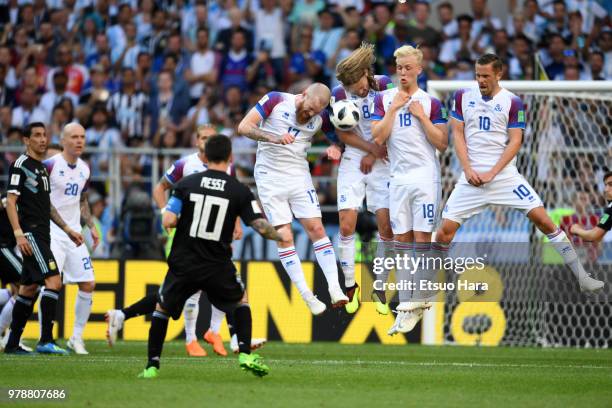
(86, 217)
(259, 135)
(265, 229)
(57, 219)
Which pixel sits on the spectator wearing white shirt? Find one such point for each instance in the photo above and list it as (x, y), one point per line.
(460, 47)
(202, 69)
(450, 28)
(27, 112)
(590, 11)
(55, 96)
(326, 37)
(270, 35)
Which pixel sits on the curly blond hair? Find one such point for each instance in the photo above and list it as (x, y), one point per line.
(352, 68)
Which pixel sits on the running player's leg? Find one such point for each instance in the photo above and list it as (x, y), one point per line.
(10, 274)
(24, 304)
(191, 311)
(226, 291)
(212, 335)
(173, 294)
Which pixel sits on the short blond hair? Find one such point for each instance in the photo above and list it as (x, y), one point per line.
(409, 51)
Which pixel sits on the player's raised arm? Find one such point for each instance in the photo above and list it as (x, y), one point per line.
(249, 126)
(382, 120)
(434, 125)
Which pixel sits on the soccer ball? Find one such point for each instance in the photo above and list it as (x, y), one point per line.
(344, 114)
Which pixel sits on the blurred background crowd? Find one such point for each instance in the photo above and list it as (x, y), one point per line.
(146, 73)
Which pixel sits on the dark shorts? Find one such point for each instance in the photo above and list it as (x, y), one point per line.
(41, 264)
(221, 283)
(10, 266)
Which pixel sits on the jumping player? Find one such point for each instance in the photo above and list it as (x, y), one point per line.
(413, 125)
(284, 125)
(363, 172)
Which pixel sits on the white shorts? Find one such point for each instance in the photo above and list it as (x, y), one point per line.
(74, 262)
(467, 200)
(354, 186)
(414, 207)
(288, 196)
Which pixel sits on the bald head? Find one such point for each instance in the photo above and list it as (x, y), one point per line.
(72, 128)
(312, 101)
(319, 92)
(73, 141)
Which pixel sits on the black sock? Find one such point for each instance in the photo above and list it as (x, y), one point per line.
(243, 327)
(21, 313)
(144, 306)
(157, 335)
(48, 308)
(231, 323)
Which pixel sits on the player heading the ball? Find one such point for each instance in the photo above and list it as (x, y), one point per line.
(284, 125)
(363, 171)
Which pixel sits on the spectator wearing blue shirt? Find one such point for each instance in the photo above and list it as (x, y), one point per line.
(233, 69)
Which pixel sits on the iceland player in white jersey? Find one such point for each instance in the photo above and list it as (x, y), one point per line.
(413, 125)
(69, 177)
(284, 125)
(488, 124)
(363, 172)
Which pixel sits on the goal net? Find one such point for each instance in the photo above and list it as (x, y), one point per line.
(533, 299)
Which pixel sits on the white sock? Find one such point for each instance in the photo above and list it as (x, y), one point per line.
(82, 310)
(326, 257)
(5, 295)
(190, 311)
(385, 248)
(346, 253)
(293, 267)
(6, 316)
(404, 275)
(216, 318)
(564, 247)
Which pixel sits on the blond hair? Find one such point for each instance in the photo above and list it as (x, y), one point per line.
(409, 51)
(351, 69)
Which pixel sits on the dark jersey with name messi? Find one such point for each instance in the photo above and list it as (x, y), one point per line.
(605, 222)
(7, 239)
(28, 178)
(208, 204)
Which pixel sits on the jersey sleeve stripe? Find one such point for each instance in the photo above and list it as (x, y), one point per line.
(260, 109)
(457, 116)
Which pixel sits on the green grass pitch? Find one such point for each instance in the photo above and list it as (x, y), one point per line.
(322, 375)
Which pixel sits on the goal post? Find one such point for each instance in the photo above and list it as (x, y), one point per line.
(567, 147)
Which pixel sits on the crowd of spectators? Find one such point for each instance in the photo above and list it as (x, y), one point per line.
(146, 73)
